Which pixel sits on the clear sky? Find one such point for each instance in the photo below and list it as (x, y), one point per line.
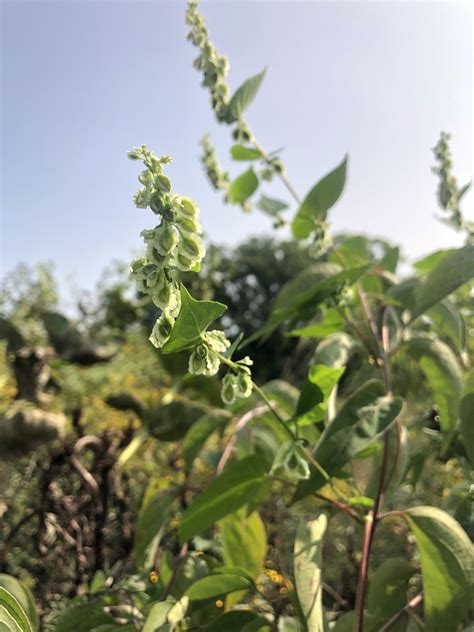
(82, 82)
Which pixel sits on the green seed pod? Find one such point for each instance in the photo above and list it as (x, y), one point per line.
(154, 164)
(189, 224)
(146, 178)
(198, 359)
(157, 202)
(277, 165)
(228, 389)
(216, 340)
(175, 302)
(162, 183)
(191, 246)
(185, 207)
(166, 238)
(290, 462)
(243, 385)
(168, 213)
(162, 330)
(142, 198)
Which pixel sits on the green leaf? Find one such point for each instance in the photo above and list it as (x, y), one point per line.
(158, 616)
(151, 524)
(444, 376)
(244, 543)
(388, 588)
(236, 621)
(84, 617)
(300, 297)
(197, 436)
(330, 324)
(296, 289)
(216, 585)
(125, 402)
(270, 206)
(225, 494)
(362, 419)
(466, 415)
(307, 571)
(194, 318)
(243, 97)
(448, 321)
(319, 200)
(454, 269)
(460, 504)
(428, 263)
(447, 564)
(239, 152)
(243, 187)
(316, 390)
(390, 259)
(170, 422)
(24, 597)
(10, 609)
(335, 350)
(397, 462)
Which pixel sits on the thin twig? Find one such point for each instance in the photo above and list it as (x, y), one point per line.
(182, 554)
(405, 610)
(244, 420)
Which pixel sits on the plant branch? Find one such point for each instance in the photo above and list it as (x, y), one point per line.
(405, 610)
(282, 176)
(174, 576)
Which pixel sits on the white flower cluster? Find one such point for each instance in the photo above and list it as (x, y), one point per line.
(173, 245)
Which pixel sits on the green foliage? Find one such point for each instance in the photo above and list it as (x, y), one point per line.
(23, 596)
(171, 503)
(307, 570)
(363, 418)
(318, 201)
(226, 494)
(243, 97)
(443, 373)
(243, 187)
(446, 556)
(12, 616)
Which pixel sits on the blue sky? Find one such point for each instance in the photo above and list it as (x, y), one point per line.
(84, 81)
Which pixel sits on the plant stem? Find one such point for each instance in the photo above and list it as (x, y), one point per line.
(174, 576)
(373, 516)
(282, 176)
